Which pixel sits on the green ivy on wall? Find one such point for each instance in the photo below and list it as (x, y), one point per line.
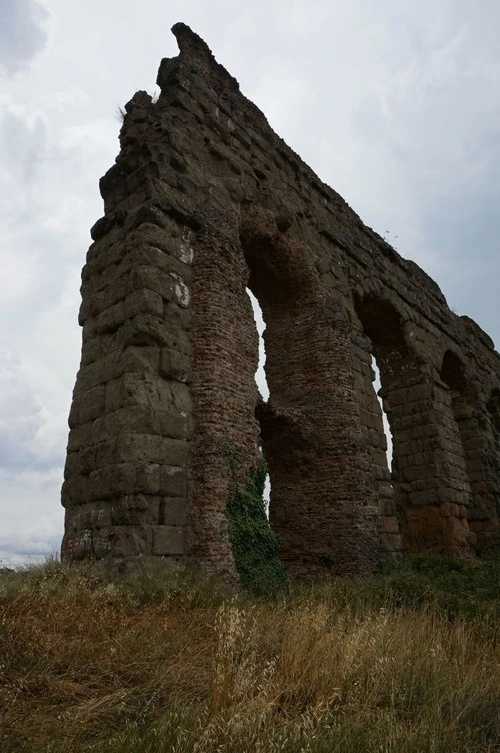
(254, 544)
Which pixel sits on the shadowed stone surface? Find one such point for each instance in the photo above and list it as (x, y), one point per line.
(205, 201)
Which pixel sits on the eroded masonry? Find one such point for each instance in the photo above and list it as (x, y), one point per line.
(205, 201)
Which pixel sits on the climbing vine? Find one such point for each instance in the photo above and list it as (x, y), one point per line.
(255, 545)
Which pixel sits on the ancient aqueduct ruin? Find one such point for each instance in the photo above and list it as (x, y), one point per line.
(205, 201)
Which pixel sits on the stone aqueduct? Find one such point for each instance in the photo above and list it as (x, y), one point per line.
(205, 201)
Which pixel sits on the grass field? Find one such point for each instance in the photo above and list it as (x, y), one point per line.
(407, 661)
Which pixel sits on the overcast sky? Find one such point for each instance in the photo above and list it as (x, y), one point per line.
(394, 103)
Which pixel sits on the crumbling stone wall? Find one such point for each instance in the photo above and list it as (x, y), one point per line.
(205, 201)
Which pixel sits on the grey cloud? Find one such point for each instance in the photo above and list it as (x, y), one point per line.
(31, 515)
(21, 548)
(23, 33)
(23, 144)
(21, 419)
(465, 231)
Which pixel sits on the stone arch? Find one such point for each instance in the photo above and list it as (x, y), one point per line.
(484, 456)
(427, 501)
(479, 448)
(321, 504)
(383, 325)
(453, 372)
(493, 525)
(169, 350)
(493, 406)
(462, 435)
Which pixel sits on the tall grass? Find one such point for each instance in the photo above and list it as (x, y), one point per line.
(158, 663)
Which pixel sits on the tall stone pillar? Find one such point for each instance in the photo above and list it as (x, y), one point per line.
(431, 485)
(480, 432)
(375, 441)
(125, 488)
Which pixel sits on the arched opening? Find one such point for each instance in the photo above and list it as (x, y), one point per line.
(494, 475)
(478, 452)
(483, 453)
(494, 411)
(453, 375)
(461, 437)
(260, 376)
(377, 387)
(493, 407)
(320, 503)
(428, 484)
(385, 365)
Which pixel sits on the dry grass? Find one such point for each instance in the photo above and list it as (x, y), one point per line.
(173, 664)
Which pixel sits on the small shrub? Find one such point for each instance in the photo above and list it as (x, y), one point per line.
(255, 545)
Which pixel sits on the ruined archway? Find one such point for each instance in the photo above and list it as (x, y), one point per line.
(485, 474)
(203, 199)
(426, 439)
(493, 500)
(475, 475)
(384, 340)
(320, 503)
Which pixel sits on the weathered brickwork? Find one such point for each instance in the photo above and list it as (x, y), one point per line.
(204, 202)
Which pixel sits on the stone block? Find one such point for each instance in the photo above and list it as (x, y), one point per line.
(72, 466)
(94, 350)
(110, 319)
(99, 372)
(173, 511)
(142, 388)
(91, 404)
(101, 293)
(173, 481)
(151, 448)
(151, 278)
(382, 472)
(140, 359)
(181, 397)
(175, 365)
(115, 480)
(148, 478)
(123, 541)
(77, 545)
(135, 509)
(101, 256)
(88, 516)
(75, 491)
(168, 540)
(144, 329)
(143, 419)
(173, 424)
(143, 302)
(390, 525)
(80, 436)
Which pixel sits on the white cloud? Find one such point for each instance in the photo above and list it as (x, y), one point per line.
(24, 32)
(35, 519)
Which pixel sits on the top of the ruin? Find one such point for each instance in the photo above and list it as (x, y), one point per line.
(196, 54)
(189, 41)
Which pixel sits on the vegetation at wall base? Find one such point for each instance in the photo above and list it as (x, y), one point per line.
(156, 661)
(255, 546)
